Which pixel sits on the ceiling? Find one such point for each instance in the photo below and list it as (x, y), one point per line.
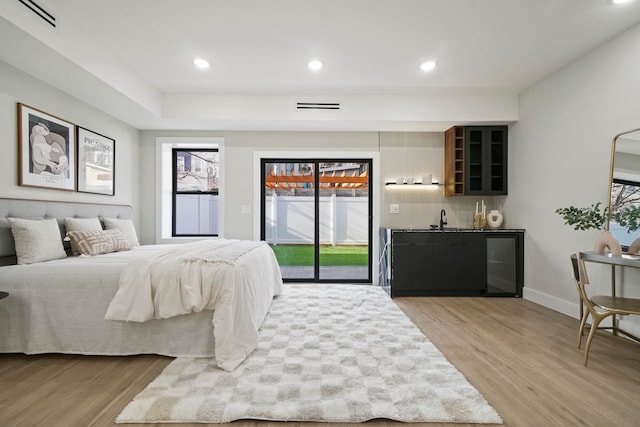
(134, 59)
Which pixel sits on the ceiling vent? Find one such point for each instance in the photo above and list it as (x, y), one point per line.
(39, 11)
(318, 106)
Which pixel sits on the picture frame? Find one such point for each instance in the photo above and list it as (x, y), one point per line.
(46, 150)
(96, 162)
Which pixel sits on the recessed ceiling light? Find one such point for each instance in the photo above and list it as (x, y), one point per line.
(620, 1)
(428, 66)
(315, 65)
(201, 63)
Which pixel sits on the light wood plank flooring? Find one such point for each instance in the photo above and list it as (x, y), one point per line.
(522, 357)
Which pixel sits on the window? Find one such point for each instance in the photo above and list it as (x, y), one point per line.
(625, 194)
(196, 174)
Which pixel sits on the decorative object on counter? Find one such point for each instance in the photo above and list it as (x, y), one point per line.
(494, 219)
(606, 240)
(427, 179)
(479, 222)
(399, 180)
(410, 180)
(480, 216)
(634, 248)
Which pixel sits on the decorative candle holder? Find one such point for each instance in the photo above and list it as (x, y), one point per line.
(479, 222)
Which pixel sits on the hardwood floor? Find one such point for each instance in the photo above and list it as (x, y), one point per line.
(522, 357)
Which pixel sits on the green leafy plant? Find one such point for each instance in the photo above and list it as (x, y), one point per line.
(584, 218)
(595, 217)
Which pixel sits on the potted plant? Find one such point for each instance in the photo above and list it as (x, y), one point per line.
(592, 217)
(595, 217)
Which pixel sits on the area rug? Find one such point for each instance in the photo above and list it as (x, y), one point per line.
(328, 353)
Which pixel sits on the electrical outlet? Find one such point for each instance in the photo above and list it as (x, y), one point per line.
(394, 209)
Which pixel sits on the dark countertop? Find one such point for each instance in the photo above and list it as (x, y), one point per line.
(455, 230)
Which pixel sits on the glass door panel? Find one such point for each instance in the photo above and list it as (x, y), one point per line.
(344, 221)
(501, 265)
(289, 216)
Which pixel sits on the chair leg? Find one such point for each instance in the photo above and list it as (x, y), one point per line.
(583, 322)
(592, 333)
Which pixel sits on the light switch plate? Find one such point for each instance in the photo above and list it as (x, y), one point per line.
(394, 209)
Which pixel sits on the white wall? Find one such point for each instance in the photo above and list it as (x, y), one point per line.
(559, 156)
(238, 179)
(15, 86)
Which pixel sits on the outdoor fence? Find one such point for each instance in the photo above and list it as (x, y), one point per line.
(290, 219)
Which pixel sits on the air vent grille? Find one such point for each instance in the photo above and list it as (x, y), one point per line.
(318, 106)
(39, 11)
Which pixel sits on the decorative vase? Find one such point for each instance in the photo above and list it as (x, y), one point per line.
(494, 219)
(634, 248)
(607, 240)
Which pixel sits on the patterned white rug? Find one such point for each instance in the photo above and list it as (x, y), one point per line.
(332, 353)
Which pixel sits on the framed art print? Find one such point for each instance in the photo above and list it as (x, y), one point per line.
(46, 152)
(96, 162)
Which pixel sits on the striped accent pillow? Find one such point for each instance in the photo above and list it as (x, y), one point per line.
(98, 242)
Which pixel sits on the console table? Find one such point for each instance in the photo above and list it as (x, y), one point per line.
(626, 260)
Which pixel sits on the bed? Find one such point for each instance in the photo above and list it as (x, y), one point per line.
(59, 306)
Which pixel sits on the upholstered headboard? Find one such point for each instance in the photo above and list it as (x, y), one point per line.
(43, 209)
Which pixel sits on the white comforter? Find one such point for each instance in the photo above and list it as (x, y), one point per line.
(237, 279)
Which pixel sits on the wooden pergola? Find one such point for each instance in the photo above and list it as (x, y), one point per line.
(326, 180)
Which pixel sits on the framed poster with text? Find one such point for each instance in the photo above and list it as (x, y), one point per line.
(96, 162)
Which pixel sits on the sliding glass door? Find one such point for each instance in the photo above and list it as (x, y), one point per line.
(316, 215)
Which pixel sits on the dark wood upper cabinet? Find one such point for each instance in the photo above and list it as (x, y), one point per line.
(475, 161)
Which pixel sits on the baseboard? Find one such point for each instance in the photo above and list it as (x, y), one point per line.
(571, 309)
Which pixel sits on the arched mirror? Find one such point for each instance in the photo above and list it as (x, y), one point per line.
(624, 184)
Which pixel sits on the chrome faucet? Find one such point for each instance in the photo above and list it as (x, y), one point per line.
(443, 219)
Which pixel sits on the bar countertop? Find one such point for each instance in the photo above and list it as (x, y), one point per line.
(453, 229)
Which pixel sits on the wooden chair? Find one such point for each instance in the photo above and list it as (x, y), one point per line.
(599, 306)
(583, 314)
(584, 311)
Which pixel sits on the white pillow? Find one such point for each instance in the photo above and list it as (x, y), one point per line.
(125, 226)
(36, 240)
(81, 224)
